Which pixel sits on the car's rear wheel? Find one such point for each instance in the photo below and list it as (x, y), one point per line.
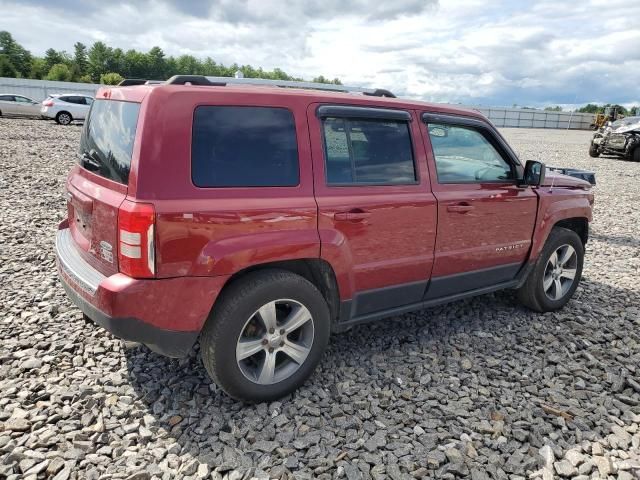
(635, 155)
(593, 150)
(64, 118)
(556, 274)
(266, 335)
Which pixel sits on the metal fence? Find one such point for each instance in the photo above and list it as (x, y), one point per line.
(41, 89)
(525, 118)
(501, 117)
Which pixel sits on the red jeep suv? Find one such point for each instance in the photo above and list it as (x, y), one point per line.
(257, 219)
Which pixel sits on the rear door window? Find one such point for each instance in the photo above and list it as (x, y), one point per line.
(7, 98)
(107, 139)
(368, 152)
(244, 147)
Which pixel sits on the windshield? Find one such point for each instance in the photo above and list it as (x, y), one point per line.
(107, 139)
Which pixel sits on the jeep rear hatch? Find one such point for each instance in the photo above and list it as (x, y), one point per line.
(98, 187)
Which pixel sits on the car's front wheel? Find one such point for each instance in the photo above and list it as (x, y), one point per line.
(556, 274)
(593, 150)
(266, 335)
(635, 155)
(64, 118)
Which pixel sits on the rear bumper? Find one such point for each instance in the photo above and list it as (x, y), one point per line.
(164, 314)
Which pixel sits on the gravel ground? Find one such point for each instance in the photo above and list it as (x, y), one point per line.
(480, 388)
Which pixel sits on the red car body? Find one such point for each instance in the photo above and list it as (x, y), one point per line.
(373, 250)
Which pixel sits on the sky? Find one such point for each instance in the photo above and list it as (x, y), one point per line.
(498, 53)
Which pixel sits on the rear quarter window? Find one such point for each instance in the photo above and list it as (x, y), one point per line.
(244, 147)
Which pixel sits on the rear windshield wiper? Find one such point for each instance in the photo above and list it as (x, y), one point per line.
(90, 160)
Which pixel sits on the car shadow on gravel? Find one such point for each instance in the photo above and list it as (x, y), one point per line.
(491, 336)
(620, 240)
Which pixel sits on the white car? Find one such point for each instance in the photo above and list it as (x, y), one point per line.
(66, 108)
(11, 104)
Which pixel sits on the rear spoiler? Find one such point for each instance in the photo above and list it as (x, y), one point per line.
(127, 82)
(574, 172)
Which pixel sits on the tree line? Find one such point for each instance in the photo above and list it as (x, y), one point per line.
(100, 63)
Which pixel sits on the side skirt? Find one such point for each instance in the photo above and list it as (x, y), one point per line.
(346, 306)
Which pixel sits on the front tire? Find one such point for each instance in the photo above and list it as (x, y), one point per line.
(265, 336)
(593, 150)
(64, 118)
(556, 274)
(635, 155)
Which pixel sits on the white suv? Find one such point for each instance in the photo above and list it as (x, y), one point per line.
(66, 108)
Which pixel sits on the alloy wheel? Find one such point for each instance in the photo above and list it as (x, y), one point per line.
(275, 341)
(560, 272)
(64, 119)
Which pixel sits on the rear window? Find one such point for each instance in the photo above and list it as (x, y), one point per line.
(107, 139)
(244, 147)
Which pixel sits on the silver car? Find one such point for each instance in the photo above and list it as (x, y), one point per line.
(11, 104)
(66, 108)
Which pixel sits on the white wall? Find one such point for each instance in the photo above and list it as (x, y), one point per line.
(501, 117)
(40, 89)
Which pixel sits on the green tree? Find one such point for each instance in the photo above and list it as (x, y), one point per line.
(60, 72)
(80, 60)
(111, 78)
(85, 79)
(39, 68)
(52, 57)
(7, 69)
(99, 58)
(557, 108)
(16, 55)
(156, 65)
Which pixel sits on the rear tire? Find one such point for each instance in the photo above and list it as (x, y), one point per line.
(249, 360)
(554, 279)
(593, 150)
(635, 155)
(64, 118)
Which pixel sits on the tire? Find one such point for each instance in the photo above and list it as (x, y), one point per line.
(64, 118)
(236, 316)
(593, 150)
(635, 155)
(533, 293)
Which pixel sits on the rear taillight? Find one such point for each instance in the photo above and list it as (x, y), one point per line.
(136, 239)
(48, 103)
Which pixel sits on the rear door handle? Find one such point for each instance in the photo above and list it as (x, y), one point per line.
(352, 215)
(460, 208)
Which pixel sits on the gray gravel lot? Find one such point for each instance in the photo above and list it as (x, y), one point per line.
(480, 388)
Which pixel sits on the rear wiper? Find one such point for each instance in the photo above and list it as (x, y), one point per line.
(90, 160)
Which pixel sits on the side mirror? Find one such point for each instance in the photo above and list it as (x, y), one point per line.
(533, 173)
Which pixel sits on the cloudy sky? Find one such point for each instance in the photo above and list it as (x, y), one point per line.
(535, 52)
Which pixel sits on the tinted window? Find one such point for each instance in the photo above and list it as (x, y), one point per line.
(66, 99)
(7, 98)
(464, 155)
(368, 151)
(22, 99)
(107, 138)
(244, 147)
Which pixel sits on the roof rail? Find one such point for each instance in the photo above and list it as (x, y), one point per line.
(222, 81)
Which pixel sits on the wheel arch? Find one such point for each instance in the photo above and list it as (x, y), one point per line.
(316, 270)
(580, 225)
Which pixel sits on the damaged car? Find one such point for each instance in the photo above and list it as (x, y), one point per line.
(620, 138)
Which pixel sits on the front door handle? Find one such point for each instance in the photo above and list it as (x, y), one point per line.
(352, 215)
(460, 208)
